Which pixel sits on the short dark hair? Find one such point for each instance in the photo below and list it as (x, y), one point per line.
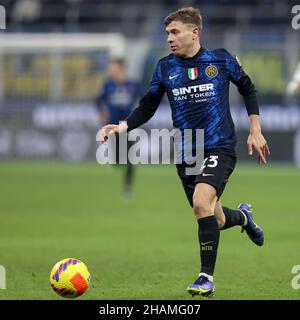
(120, 61)
(188, 15)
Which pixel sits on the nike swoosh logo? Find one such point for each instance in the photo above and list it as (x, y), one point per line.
(204, 243)
(172, 77)
(207, 174)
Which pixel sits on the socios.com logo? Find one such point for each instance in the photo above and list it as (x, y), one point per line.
(2, 18)
(296, 18)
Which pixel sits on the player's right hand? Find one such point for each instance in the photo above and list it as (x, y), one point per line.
(257, 141)
(111, 129)
(107, 131)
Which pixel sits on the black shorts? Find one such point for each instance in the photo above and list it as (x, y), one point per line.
(217, 167)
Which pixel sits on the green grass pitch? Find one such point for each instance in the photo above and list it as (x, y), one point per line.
(146, 247)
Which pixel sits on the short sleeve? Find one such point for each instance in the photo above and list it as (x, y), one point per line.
(156, 85)
(234, 67)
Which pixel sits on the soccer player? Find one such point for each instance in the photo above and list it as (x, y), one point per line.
(196, 81)
(115, 102)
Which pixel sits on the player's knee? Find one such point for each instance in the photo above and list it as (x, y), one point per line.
(202, 208)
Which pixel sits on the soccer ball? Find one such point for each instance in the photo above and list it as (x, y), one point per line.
(70, 278)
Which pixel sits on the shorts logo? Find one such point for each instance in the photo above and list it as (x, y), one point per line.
(207, 174)
(211, 71)
(193, 73)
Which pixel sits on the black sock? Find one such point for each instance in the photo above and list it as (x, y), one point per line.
(232, 218)
(209, 234)
(128, 176)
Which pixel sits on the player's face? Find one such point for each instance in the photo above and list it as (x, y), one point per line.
(115, 70)
(182, 37)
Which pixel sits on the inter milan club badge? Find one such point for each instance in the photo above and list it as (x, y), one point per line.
(193, 73)
(211, 71)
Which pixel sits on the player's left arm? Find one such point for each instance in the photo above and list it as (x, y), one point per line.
(256, 141)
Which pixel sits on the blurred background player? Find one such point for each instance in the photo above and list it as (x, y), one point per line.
(115, 102)
(190, 65)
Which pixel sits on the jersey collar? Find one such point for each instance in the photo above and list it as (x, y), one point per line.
(198, 54)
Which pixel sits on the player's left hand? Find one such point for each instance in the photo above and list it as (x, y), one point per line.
(257, 141)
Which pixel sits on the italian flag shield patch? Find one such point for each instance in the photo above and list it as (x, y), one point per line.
(193, 73)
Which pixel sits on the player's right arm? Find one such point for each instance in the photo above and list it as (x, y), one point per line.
(144, 112)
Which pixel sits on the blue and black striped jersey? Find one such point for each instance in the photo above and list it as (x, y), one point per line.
(198, 93)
